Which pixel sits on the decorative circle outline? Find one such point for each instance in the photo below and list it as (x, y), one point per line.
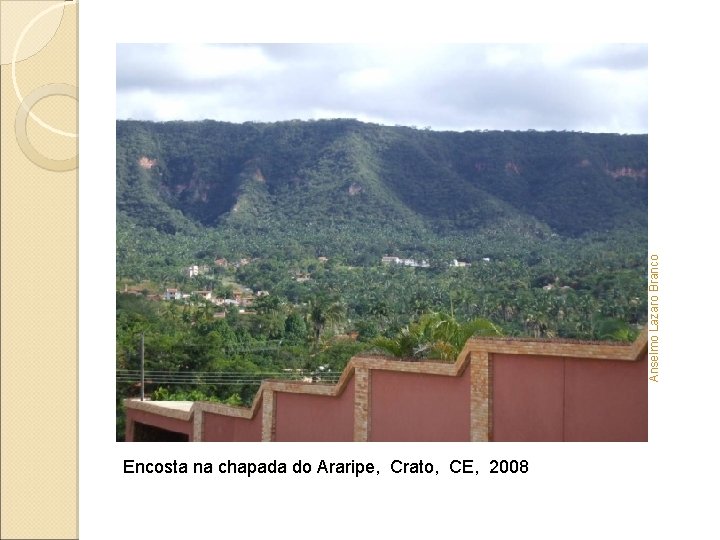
(40, 93)
(14, 61)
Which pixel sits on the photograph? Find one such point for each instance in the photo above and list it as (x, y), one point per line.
(382, 242)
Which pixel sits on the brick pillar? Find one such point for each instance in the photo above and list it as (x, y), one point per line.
(480, 396)
(362, 405)
(197, 434)
(129, 427)
(268, 415)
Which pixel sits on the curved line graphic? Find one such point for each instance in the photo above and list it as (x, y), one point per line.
(14, 75)
(40, 93)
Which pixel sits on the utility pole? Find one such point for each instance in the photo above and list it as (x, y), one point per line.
(142, 366)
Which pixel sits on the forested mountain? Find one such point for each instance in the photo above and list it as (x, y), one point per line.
(309, 181)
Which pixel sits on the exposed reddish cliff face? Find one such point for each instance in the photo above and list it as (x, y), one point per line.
(147, 163)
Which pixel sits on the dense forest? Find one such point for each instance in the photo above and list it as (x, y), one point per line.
(539, 234)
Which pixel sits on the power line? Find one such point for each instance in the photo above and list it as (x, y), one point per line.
(220, 378)
(237, 348)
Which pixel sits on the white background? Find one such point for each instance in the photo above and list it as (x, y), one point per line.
(665, 487)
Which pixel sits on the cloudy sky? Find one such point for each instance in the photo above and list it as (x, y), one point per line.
(600, 88)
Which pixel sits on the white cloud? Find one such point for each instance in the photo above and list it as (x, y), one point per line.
(507, 86)
(368, 78)
(222, 62)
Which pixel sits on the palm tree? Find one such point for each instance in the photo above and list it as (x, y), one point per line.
(435, 335)
(614, 330)
(407, 344)
(324, 313)
(449, 335)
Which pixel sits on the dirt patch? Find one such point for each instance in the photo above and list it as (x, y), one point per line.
(147, 163)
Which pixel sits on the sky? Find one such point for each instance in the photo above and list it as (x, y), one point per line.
(593, 88)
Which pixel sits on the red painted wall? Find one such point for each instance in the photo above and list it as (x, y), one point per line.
(306, 417)
(144, 417)
(527, 393)
(218, 428)
(418, 407)
(534, 399)
(606, 401)
(557, 399)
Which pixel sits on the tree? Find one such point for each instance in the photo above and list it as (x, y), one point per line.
(322, 313)
(224, 290)
(435, 335)
(295, 327)
(614, 330)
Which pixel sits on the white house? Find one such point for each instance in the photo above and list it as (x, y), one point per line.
(405, 262)
(173, 294)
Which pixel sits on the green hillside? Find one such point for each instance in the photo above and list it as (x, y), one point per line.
(294, 178)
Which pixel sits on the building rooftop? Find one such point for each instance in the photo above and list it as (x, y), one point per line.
(184, 406)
